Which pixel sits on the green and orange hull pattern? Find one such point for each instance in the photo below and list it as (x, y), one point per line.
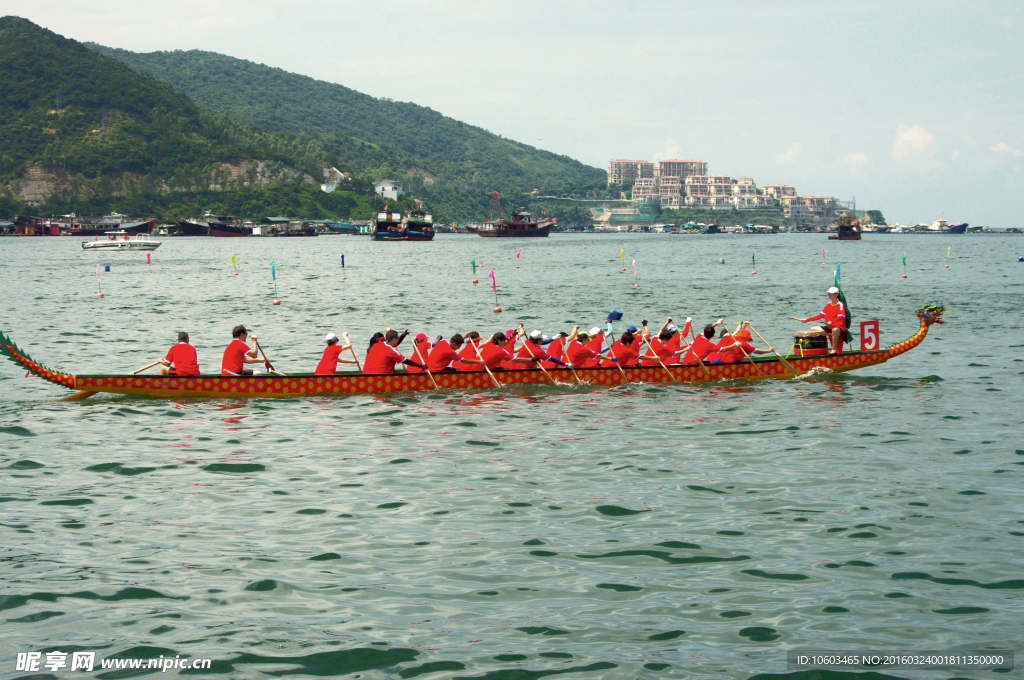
(219, 387)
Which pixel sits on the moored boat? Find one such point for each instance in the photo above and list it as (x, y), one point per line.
(84, 226)
(388, 226)
(120, 240)
(520, 225)
(418, 224)
(849, 230)
(220, 387)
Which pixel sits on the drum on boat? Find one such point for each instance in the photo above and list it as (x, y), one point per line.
(810, 343)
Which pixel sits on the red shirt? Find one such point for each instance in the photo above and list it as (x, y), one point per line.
(468, 352)
(834, 315)
(441, 356)
(735, 354)
(329, 361)
(234, 357)
(674, 344)
(421, 356)
(381, 358)
(578, 354)
(701, 347)
(494, 355)
(662, 351)
(531, 350)
(595, 343)
(626, 354)
(555, 352)
(183, 357)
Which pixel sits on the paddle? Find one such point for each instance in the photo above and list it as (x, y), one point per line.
(270, 366)
(648, 343)
(521, 333)
(424, 362)
(486, 367)
(611, 348)
(739, 343)
(349, 343)
(781, 358)
(85, 394)
(699, 361)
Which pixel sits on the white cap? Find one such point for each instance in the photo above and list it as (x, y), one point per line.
(832, 290)
(594, 331)
(536, 335)
(331, 337)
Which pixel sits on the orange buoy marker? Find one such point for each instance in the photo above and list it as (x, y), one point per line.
(99, 281)
(99, 294)
(496, 310)
(276, 302)
(947, 256)
(475, 281)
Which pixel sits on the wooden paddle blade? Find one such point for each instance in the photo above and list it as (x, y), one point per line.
(78, 396)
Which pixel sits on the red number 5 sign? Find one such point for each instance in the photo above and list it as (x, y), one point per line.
(869, 340)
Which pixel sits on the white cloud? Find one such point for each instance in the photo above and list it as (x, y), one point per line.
(670, 152)
(1003, 147)
(969, 141)
(855, 163)
(955, 157)
(914, 146)
(791, 156)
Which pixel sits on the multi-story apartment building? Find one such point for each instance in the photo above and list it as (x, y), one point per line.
(644, 189)
(777, 191)
(669, 192)
(628, 171)
(681, 169)
(794, 207)
(821, 206)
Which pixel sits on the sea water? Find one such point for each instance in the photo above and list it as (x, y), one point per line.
(648, 530)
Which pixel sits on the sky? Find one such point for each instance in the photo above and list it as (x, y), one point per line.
(913, 108)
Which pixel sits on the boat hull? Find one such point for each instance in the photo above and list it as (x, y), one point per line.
(190, 228)
(99, 228)
(539, 232)
(228, 230)
(120, 245)
(272, 386)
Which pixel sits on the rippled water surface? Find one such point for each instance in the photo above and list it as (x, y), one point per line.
(642, 531)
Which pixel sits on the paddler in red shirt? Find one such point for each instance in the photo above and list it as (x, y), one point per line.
(472, 340)
(382, 357)
(702, 346)
(661, 345)
(577, 352)
(596, 343)
(834, 315)
(182, 357)
(626, 349)
(443, 354)
(332, 355)
(237, 355)
(533, 346)
(732, 346)
(556, 350)
(494, 354)
(420, 352)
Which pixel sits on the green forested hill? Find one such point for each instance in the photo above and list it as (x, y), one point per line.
(114, 125)
(374, 137)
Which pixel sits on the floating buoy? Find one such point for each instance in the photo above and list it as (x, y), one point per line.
(623, 269)
(497, 310)
(99, 294)
(517, 266)
(475, 282)
(276, 302)
(636, 285)
(344, 278)
(947, 266)
(752, 273)
(904, 276)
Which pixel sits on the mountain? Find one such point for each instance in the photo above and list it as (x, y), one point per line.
(82, 130)
(377, 138)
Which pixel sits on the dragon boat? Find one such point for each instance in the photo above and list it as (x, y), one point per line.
(297, 385)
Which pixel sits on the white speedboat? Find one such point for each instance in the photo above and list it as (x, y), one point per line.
(120, 240)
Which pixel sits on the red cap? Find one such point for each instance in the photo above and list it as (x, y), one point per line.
(421, 336)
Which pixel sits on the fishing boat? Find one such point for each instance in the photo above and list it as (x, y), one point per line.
(849, 230)
(193, 228)
(418, 224)
(520, 225)
(120, 240)
(388, 226)
(226, 227)
(307, 384)
(85, 226)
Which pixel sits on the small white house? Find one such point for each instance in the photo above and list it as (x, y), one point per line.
(388, 189)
